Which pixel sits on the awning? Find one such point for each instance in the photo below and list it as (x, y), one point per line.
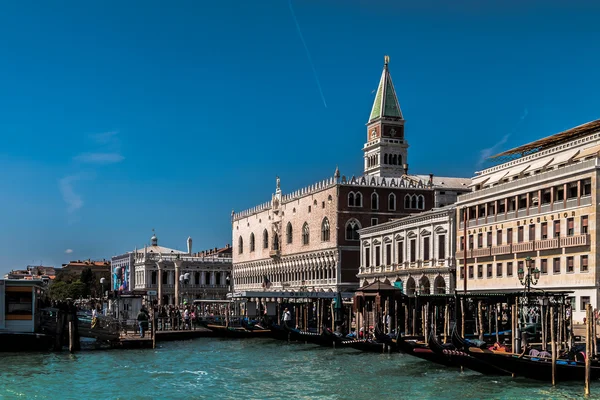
(518, 170)
(478, 180)
(539, 164)
(562, 158)
(590, 151)
(497, 177)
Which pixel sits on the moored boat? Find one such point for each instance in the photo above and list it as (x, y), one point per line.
(423, 351)
(457, 356)
(237, 332)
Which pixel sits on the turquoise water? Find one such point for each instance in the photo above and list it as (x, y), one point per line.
(211, 368)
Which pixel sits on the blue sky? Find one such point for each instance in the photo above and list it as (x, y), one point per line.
(120, 117)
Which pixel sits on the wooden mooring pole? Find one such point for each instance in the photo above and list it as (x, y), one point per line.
(588, 346)
(71, 336)
(553, 344)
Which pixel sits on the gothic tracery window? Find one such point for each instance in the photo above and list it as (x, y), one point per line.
(374, 201)
(392, 202)
(289, 233)
(325, 232)
(352, 227)
(305, 234)
(252, 242)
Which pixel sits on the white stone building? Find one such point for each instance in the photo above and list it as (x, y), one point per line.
(541, 204)
(177, 275)
(415, 253)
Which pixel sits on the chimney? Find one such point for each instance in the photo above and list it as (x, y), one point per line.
(189, 245)
(405, 166)
(431, 179)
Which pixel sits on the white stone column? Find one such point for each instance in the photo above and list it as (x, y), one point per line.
(159, 265)
(178, 264)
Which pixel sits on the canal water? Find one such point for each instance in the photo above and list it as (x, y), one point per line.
(212, 368)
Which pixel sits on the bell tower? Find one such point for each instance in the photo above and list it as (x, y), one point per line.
(386, 150)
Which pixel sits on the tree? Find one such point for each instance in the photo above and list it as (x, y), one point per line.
(59, 290)
(77, 289)
(87, 278)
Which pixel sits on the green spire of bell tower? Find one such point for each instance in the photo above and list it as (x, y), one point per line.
(386, 103)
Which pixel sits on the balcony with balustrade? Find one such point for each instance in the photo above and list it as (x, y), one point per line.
(522, 247)
(483, 252)
(502, 249)
(547, 244)
(574, 241)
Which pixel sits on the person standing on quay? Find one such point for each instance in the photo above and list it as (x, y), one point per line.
(287, 317)
(142, 318)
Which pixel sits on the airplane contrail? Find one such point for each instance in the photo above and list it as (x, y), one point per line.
(310, 61)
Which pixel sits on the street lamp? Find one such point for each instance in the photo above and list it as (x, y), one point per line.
(184, 279)
(102, 284)
(531, 278)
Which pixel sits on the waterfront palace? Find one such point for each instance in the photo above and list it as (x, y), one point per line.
(415, 253)
(309, 239)
(175, 275)
(539, 209)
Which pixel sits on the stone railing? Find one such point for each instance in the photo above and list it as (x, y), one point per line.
(572, 241)
(522, 247)
(485, 252)
(502, 249)
(546, 244)
(461, 254)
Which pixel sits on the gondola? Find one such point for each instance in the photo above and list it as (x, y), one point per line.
(538, 368)
(279, 332)
(237, 332)
(327, 338)
(422, 351)
(457, 356)
(370, 346)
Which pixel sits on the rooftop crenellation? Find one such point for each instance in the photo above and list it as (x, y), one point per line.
(406, 181)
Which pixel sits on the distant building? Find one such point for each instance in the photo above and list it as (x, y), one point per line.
(308, 239)
(100, 268)
(175, 275)
(34, 272)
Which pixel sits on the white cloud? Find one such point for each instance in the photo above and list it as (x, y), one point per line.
(490, 151)
(68, 251)
(73, 200)
(99, 158)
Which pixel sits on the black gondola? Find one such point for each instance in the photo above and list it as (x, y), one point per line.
(422, 351)
(538, 368)
(370, 346)
(327, 338)
(461, 358)
(237, 332)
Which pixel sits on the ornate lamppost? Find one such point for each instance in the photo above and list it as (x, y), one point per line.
(531, 277)
(184, 279)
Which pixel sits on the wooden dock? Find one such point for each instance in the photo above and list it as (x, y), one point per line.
(132, 340)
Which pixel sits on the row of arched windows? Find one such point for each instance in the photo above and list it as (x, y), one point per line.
(415, 202)
(352, 227)
(372, 160)
(392, 159)
(355, 200)
(289, 233)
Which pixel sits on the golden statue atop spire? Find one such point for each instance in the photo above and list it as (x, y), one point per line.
(386, 60)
